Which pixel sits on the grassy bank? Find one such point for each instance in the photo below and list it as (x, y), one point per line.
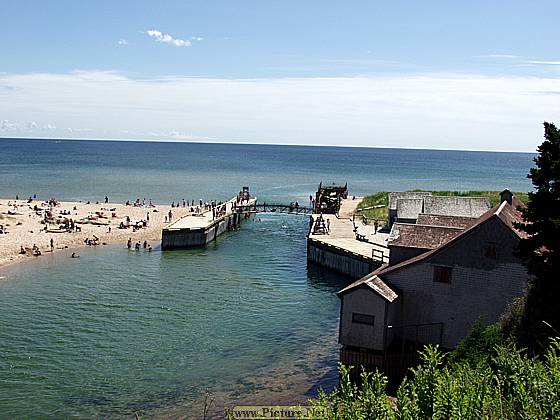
(374, 206)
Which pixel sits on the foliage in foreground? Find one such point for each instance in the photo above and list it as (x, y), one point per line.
(540, 250)
(507, 385)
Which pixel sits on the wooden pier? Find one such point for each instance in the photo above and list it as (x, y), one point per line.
(346, 245)
(197, 230)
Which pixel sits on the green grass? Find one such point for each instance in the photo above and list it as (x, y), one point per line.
(376, 199)
(380, 199)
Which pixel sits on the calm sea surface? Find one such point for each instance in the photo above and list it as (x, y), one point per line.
(117, 332)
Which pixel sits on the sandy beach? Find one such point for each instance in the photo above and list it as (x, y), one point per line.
(23, 225)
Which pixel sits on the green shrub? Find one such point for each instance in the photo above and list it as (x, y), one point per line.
(507, 385)
(479, 344)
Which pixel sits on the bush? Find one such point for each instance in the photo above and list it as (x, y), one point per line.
(479, 344)
(507, 385)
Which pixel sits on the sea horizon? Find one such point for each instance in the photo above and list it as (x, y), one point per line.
(253, 143)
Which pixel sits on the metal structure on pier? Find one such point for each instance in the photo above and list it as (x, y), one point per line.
(274, 208)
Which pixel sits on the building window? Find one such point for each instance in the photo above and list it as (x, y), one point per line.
(442, 274)
(491, 252)
(362, 319)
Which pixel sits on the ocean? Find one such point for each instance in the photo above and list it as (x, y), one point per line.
(245, 320)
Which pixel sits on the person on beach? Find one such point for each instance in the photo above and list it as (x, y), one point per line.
(137, 246)
(170, 215)
(106, 199)
(129, 243)
(52, 244)
(145, 244)
(328, 225)
(375, 226)
(22, 250)
(74, 255)
(149, 248)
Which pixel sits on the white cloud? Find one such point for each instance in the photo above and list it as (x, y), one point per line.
(521, 60)
(506, 56)
(7, 125)
(545, 63)
(122, 42)
(197, 38)
(168, 39)
(428, 111)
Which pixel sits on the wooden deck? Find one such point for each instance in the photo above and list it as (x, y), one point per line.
(197, 230)
(341, 234)
(204, 219)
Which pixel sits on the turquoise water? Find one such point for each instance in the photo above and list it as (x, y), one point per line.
(117, 332)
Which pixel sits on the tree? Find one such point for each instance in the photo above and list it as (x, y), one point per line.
(540, 250)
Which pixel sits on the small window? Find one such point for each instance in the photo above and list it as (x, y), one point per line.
(491, 252)
(362, 319)
(442, 274)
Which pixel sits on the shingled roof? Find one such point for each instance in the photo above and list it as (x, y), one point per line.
(409, 208)
(375, 284)
(449, 221)
(421, 236)
(510, 215)
(456, 206)
(507, 213)
(394, 196)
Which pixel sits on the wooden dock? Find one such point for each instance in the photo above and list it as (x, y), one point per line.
(339, 248)
(197, 230)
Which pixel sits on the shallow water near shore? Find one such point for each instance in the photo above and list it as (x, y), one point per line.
(119, 332)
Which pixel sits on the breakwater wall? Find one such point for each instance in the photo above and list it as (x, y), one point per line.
(198, 230)
(339, 259)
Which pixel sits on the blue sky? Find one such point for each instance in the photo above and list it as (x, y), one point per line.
(302, 72)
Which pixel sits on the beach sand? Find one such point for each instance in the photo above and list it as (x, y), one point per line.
(25, 227)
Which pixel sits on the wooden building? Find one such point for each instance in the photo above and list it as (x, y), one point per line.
(406, 207)
(453, 277)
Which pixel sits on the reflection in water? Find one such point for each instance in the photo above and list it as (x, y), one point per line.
(324, 279)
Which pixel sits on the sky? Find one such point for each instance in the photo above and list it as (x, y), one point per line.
(476, 75)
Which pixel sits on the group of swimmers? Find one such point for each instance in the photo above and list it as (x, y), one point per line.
(138, 245)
